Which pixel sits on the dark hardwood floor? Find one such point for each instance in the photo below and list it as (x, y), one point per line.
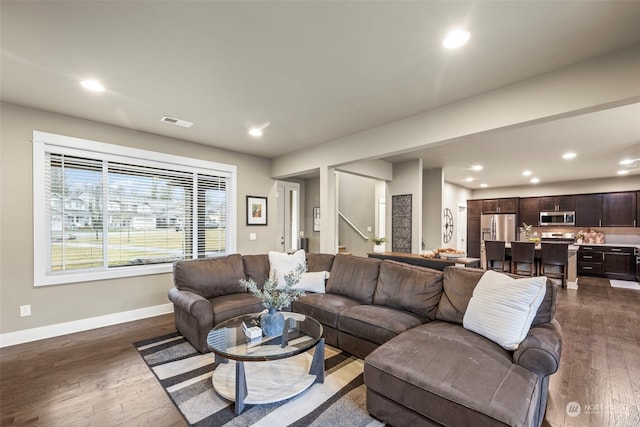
(97, 378)
(600, 363)
(92, 378)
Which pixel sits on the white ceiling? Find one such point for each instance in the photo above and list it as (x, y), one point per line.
(318, 70)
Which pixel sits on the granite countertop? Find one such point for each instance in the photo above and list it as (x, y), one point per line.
(621, 245)
(572, 247)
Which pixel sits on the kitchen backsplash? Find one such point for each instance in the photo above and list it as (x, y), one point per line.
(616, 235)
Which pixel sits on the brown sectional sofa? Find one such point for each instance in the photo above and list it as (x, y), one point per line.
(422, 367)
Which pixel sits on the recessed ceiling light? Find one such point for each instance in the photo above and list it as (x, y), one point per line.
(623, 172)
(255, 132)
(92, 85)
(476, 167)
(456, 38)
(527, 173)
(568, 156)
(535, 180)
(627, 162)
(469, 179)
(484, 185)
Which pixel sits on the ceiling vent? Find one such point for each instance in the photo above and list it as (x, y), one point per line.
(177, 122)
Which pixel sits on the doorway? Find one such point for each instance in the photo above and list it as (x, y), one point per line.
(288, 199)
(461, 235)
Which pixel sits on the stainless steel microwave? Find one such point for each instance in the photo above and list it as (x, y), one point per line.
(558, 218)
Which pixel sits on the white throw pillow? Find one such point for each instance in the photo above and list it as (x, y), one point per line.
(502, 308)
(309, 282)
(285, 263)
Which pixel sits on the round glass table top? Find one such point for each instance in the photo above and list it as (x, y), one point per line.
(231, 341)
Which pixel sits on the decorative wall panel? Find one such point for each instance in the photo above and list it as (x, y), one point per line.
(401, 223)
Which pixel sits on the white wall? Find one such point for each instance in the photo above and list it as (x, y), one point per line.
(356, 201)
(604, 82)
(312, 200)
(65, 303)
(433, 186)
(455, 196)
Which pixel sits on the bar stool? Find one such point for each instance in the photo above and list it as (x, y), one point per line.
(496, 252)
(523, 253)
(555, 255)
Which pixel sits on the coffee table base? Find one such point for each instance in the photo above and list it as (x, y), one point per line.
(266, 382)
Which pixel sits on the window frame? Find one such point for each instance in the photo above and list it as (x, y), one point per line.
(44, 142)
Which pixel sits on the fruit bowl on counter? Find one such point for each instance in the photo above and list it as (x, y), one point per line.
(535, 240)
(444, 253)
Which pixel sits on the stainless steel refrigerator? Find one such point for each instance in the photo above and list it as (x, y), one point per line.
(499, 227)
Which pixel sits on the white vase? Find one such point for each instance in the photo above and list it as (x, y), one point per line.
(378, 248)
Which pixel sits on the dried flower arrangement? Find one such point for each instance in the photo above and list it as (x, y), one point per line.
(271, 296)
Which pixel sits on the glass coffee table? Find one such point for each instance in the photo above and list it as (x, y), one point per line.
(286, 369)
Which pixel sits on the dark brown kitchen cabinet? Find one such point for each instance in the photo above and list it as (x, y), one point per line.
(474, 208)
(638, 209)
(619, 209)
(500, 205)
(619, 263)
(612, 262)
(529, 211)
(473, 237)
(474, 212)
(557, 203)
(590, 261)
(588, 210)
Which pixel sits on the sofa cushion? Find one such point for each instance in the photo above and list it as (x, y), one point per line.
(409, 287)
(284, 264)
(256, 268)
(453, 377)
(319, 262)
(227, 306)
(502, 308)
(323, 307)
(211, 277)
(458, 285)
(310, 282)
(354, 277)
(376, 323)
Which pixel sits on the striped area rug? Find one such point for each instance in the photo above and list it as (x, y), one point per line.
(185, 375)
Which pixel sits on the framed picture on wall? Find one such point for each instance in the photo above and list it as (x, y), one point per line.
(316, 219)
(256, 210)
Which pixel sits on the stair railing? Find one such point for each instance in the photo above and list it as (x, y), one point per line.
(348, 221)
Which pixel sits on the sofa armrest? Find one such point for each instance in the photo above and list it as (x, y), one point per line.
(194, 304)
(540, 351)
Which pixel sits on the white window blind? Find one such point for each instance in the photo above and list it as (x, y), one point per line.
(111, 211)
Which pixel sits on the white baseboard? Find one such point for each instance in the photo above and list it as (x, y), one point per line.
(50, 331)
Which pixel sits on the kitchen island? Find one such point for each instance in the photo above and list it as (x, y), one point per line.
(435, 263)
(572, 267)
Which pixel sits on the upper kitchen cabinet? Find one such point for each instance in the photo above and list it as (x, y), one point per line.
(491, 206)
(557, 203)
(529, 211)
(588, 210)
(619, 209)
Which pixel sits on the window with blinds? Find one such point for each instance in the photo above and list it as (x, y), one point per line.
(111, 211)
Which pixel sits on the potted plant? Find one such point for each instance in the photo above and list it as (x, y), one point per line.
(378, 244)
(275, 298)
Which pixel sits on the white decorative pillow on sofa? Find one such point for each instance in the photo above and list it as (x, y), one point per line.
(502, 308)
(310, 281)
(285, 263)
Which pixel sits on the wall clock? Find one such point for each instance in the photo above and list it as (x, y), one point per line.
(447, 224)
